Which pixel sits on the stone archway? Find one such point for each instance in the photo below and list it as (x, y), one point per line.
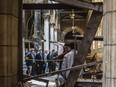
(68, 29)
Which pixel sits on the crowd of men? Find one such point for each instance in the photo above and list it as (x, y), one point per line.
(37, 62)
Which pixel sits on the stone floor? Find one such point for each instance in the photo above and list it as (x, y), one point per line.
(52, 80)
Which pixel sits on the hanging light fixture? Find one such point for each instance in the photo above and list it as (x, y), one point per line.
(73, 21)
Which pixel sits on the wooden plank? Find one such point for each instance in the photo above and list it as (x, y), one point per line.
(82, 4)
(84, 46)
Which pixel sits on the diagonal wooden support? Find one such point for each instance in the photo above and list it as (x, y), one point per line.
(82, 4)
(84, 46)
(27, 78)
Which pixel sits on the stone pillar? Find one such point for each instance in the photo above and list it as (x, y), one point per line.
(26, 21)
(8, 42)
(109, 60)
(46, 32)
(37, 27)
(52, 36)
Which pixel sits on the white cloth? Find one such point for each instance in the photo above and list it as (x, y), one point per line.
(60, 47)
(68, 61)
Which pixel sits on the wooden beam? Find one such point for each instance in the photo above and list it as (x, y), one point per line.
(20, 45)
(48, 6)
(82, 4)
(76, 12)
(79, 19)
(95, 39)
(84, 46)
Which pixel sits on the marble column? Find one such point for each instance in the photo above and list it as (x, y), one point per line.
(109, 59)
(9, 42)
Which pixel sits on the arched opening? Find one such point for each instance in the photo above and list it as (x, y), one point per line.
(68, 32)
(70, 35)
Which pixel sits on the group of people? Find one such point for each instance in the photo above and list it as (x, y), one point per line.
(46, 62)
(37, 62)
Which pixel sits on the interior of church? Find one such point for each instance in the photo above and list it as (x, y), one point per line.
(57, 43)
(45, 26)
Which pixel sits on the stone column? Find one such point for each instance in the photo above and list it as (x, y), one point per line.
(109, 60)
(52, 36)
(46, 32)
(8, 42)
(37, 27)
